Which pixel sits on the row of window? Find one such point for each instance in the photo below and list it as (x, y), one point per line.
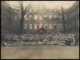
(74, 24)
(40, 17)
(36, 26)
(74, 13)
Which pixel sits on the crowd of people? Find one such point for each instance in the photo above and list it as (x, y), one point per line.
(38, 39)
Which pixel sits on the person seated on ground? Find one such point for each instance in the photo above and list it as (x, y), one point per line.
(68, 42)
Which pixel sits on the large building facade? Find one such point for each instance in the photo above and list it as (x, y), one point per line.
(72, 21)
(46, 17)
(42, 18)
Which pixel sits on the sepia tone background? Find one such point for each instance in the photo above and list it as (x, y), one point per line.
(60, 16)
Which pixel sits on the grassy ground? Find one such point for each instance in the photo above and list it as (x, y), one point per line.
(40, 52)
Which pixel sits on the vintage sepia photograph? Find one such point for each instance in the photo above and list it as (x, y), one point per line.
(39, 29)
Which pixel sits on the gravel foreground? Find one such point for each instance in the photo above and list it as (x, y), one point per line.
(40, 52)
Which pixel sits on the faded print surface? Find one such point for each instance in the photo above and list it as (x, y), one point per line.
(40, 29)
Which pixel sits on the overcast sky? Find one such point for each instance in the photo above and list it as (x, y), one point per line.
(48, 4)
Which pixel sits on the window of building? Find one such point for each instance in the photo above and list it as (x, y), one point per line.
(71, 16)
(50, 16)
(50, 26)
(26, 18)
(60, 16)
(78, 22)
(45, 25)
(40, 25)
(40, 17)
(55, 26)
(25, 26)
(78, 10)
(74, 24)
(65, 17)
(74, 13)
(35, 17)
(66, 25)
(69, 26)
(60, 26)
(45, 16)
(30, 26)
(55, 16)
(30, 16)
(35, 26)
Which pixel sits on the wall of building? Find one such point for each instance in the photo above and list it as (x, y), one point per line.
(72, 21)
(36, 21)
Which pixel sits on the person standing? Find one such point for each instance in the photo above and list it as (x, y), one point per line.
(76, 38)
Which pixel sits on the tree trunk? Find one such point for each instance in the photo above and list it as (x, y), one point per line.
(21, 25)
(63, 21)
(64, 25)
(22, 19)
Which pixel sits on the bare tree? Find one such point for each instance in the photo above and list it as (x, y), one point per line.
(7, 18)
(23, 12)
(63, 18)
(61, 12)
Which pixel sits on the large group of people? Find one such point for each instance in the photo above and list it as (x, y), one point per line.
(38, 39)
